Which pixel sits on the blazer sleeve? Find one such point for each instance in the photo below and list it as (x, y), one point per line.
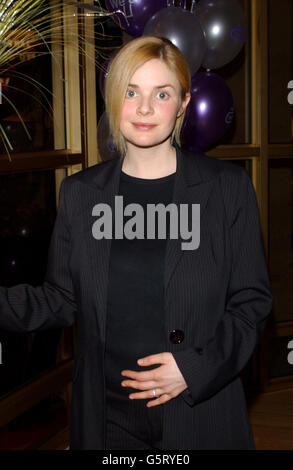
(24, 308)
(208, 369)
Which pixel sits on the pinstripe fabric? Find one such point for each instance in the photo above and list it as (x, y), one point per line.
(218, 295)
(119, 437)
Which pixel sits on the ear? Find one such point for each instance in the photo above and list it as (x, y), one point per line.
(184, 104)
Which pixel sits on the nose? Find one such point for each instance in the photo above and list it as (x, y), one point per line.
(145, 106)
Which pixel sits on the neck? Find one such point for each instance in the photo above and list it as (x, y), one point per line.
(152, 162)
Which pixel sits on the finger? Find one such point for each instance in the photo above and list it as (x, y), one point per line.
(144, 395)
(140, 376)
(140, 385)
(153, 359)
(159, 401)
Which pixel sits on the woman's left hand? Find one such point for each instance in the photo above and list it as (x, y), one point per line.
(167, 380)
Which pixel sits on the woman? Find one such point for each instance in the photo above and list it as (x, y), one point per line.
(193, 311)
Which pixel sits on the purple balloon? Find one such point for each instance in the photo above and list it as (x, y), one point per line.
(134, 14)
(209, 113)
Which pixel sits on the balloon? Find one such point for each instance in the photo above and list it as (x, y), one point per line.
(106, 148)
(224, 26)
(209, 113)
(183, 29)
(134, 14)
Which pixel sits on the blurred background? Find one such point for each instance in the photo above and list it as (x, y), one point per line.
(53, 124)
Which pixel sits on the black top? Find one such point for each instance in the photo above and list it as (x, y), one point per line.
(135, 306)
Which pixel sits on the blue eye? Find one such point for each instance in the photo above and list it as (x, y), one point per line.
(165, 95)
(130, 93)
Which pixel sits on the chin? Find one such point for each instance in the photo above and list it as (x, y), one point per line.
(147, 143)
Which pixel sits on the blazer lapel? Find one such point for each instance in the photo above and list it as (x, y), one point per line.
(105, 186)
(192, 186)
(193, 183)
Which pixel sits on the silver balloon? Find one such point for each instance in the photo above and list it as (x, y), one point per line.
(183, 29)
(224, 26)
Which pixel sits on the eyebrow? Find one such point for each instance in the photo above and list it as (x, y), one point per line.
(133, 85)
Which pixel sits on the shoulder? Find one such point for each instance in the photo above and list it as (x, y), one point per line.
(234, 183)
(221, 168)
(209, 168)
(91, 176)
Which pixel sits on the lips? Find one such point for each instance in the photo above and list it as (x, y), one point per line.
(144, 127)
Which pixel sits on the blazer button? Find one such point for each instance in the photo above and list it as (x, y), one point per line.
(176, 336)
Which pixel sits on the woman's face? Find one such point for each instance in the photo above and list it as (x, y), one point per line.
(151, 105)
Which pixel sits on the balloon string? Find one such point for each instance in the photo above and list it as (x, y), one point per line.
(122, 13)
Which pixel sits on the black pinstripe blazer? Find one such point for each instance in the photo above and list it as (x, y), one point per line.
(218, 295)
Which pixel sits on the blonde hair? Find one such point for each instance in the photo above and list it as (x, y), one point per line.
(134, 54)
